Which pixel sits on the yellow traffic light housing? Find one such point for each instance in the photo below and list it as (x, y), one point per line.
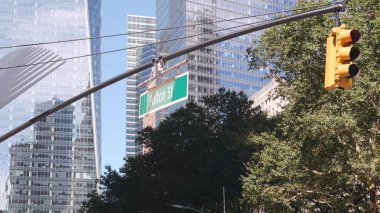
(340, 56)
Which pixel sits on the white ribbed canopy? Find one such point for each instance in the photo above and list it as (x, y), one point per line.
(14, 81)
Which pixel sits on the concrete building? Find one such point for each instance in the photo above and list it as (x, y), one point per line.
(139, 35)
(51, 166)
(268, 100)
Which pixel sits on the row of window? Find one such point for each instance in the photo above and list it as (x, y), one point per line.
(148, 20)
(141, 27)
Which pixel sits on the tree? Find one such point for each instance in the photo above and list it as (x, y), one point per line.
(325, 155)
(193, 153)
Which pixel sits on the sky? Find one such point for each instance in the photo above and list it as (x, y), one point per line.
(114, 21)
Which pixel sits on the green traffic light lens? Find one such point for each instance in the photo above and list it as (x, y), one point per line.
(353, 70)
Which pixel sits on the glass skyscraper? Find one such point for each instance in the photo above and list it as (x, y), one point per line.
(139, 35)
(221, 65)
(51, 166)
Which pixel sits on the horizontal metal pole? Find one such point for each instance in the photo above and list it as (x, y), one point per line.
(73, 99)
(283, 20)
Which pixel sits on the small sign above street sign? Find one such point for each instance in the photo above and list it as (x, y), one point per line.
(164, 95)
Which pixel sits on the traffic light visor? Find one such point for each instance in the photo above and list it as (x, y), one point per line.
(349, 53)
(349, 36)
(347, 70)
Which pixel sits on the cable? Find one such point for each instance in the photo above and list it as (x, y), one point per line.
(122, 49)
(155, 30)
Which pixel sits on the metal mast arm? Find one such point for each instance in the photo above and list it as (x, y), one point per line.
(332, 8)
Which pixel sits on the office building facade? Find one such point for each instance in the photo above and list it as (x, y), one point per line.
(138, 39)
(51, 166)
(224, 64)
(268, 100)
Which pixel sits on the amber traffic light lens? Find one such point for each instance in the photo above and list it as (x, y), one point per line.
(354, 53)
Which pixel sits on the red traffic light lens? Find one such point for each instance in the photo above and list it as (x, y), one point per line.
(355, 36)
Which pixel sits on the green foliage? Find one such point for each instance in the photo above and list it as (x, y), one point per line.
(327, 149)
(192, 154)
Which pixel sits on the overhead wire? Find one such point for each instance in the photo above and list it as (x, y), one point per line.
(155, 30)
(135, 47)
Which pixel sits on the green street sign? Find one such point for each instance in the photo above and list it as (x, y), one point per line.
(164, 95)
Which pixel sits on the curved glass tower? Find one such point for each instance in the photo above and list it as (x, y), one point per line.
(52, 166)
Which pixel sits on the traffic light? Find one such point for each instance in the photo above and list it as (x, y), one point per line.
(340, 56)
